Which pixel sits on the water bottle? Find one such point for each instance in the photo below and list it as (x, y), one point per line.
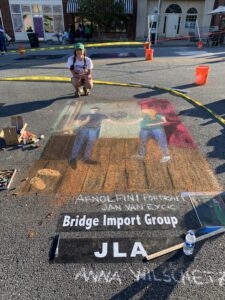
(189, 243)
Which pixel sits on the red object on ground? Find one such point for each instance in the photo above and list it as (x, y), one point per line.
(199, 44)
(201, 75)
(147, 45)
(176, 132)
(21, 50)
(149, 54)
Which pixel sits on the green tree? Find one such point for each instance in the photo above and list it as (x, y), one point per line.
(102, 13)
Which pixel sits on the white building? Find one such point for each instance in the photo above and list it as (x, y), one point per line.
(45, 17)
(176, 18)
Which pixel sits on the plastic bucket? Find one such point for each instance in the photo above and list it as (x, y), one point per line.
(21, 50)
(149, 54)
(201, 75)
(147, 45)
(199, 44)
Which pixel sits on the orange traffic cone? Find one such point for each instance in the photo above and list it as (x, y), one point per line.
(21, 49)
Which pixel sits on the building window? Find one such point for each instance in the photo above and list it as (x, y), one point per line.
(58, 23)
(26, 9)
(27, 22)
(17, 22)
(15, 8)
(47, 9)
(48, 24)
(22, 17)
(57, 9)
(191, 18)
(174, 9)
(36, 8)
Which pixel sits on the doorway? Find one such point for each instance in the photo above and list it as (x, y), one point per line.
(172, 25)
(173, 18)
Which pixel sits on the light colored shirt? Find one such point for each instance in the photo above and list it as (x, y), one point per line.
(79, 65)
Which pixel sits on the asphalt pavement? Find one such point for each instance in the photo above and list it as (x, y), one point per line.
(29, 222)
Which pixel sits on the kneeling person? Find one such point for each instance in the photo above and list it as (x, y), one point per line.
(81, 70)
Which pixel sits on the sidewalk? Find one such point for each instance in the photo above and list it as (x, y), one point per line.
(161, 44)
(175, 43)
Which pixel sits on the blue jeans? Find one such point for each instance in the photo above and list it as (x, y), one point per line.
(158, 134)
(85, 136)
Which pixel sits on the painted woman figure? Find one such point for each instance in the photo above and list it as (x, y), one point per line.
(152, 126)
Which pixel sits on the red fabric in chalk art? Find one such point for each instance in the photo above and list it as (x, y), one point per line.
(176, 132)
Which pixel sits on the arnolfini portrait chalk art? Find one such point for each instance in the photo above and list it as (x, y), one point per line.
(89, 125)
(122, 164)
(122, 146)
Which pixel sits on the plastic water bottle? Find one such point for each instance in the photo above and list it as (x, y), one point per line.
(189, 243)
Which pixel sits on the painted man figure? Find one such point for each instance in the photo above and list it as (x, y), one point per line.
(89, 126)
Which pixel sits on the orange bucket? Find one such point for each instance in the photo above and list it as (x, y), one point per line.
(201, 75)
(149, 54)
(147, 45)
(21, 50)
(199, 44)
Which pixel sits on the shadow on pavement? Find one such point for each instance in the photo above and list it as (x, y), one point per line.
(49, 68)
(156, 92)
(218, 151)
(159, 282)
(31, 60)
(213, 62)
(217, 107)
(24, 107)
(217, 142)
(215, 55)
(125, 62)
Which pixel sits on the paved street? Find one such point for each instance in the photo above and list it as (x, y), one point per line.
(120, 187)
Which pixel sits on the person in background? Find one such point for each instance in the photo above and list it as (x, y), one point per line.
(71, 33)
(81, 70)
(87, 32)
(3, 48)
(65, 37)
(29, 29)
(81, 30)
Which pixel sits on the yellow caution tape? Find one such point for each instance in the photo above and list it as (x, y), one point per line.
(64, 79)
(68, 79)
(116, 83)
(36, 78)
(113, 44)
(86, 46)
